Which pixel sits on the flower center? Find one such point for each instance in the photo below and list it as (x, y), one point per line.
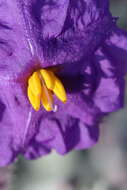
(42, 84)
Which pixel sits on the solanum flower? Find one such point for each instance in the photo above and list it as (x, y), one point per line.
(62, 67)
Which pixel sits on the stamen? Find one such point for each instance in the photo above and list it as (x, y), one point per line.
(35, 84)
(48, 78)
(47, 99)
(41, 86)
(34, 100)
(59, 90)
(54, 84)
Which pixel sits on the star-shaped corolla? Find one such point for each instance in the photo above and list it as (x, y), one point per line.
(62, 65)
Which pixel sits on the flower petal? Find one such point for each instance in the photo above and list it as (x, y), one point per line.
(77, 32)
(16, 123)
(14, 48)
(62, 133)
(6, 152)
(109, 92)
(115, 50)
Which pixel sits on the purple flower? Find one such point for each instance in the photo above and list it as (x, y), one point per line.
(78, 39)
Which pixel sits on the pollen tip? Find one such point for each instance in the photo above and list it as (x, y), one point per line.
(55, 108)
(64, 99)
(48, 110)
(36, 109)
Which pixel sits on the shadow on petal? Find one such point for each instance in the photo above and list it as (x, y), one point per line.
(2, 109)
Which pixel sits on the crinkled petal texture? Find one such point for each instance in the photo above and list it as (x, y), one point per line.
(81, 40)
(24, 131)
(112, 59)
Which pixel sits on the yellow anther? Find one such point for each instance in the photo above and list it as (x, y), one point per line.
(48, 77)
(47, 99)
(41, 86)
(35, 84)
(59, 90)
(54, 84)
(34, 100)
